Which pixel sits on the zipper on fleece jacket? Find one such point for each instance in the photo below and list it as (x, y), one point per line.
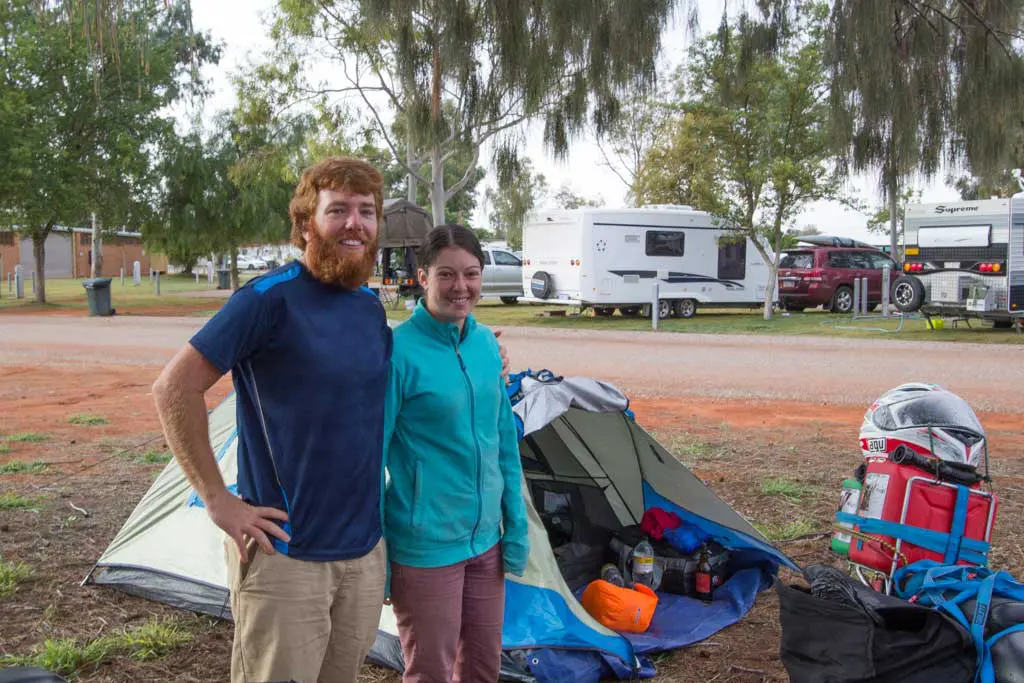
(476, 446)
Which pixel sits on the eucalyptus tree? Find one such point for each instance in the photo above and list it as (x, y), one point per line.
(915, 83)
(468, 72)
(750, 144)
(86, 121)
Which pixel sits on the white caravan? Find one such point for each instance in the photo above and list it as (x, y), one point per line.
(612, 258)
(965, 259)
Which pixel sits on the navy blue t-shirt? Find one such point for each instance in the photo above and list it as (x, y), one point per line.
(309, 362)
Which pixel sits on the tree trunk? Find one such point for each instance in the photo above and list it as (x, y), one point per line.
(410, 159)
(773, 270)
(894, 201)
(39, 254)
(437, 185)
(234, 269)
(436, 164)
(96, 270)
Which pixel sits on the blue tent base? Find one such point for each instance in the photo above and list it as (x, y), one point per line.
(678, 621)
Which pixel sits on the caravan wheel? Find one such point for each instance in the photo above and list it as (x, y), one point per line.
(908, 293)
(664, 309)
(686, 308)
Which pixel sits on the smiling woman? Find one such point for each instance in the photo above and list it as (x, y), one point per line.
(450, 273)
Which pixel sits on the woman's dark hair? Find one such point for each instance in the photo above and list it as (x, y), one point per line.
(449, 235)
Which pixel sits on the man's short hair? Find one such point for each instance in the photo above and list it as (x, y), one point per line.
(342, 174)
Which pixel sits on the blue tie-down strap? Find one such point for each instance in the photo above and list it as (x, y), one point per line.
(947, 588)
(968, 550)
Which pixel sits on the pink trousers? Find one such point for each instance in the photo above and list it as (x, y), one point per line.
(450, 618)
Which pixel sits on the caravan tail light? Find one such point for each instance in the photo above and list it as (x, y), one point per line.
(913, 267)
(990, 267)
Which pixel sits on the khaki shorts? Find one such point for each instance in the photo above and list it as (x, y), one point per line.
(308, 622)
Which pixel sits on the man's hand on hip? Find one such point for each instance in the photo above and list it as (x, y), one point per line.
(238, 519)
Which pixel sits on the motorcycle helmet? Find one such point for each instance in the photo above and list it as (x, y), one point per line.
(927, 419)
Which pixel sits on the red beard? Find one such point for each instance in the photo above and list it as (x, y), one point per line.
(331, 265)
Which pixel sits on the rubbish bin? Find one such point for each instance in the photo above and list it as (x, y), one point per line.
(223, 278)
(97, 291)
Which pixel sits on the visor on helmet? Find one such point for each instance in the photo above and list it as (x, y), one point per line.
(934, 409)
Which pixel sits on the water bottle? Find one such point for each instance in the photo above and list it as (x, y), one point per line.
(703, 580)
(848, 501)
(611, 574)
(643, 564)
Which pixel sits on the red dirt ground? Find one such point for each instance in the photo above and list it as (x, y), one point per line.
(770, 438)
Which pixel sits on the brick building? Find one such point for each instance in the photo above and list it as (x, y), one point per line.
(69, 254)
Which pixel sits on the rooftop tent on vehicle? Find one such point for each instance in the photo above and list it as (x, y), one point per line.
(586, 462)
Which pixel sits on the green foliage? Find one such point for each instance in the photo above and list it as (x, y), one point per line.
(462, 74)
(913, 84)
(784, 488)
(22, 467)
(784, 532)
(81, 125)
(513, 198)
(154, 457)
(11, 575)
(881, 220)
(70, 657)
(12, 501)
(87, 420)
(27, 437)
(565, 198)
(751, 144)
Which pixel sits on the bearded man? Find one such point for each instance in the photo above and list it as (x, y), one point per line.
(308, 349)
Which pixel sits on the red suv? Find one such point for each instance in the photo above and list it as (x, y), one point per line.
(823, 276)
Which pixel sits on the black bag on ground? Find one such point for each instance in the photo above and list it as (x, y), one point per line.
(28, 674)
(853, 634)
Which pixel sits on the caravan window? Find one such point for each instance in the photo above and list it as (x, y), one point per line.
(665, 243)
(732, 260)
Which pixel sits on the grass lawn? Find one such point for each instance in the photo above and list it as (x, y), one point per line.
(175, 291)
(181, 295)
(738, 321)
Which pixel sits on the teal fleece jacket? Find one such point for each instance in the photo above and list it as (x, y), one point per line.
(451, 448)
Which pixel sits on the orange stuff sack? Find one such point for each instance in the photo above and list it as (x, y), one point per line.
(620, 609)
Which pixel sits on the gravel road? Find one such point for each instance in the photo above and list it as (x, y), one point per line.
(822, 370)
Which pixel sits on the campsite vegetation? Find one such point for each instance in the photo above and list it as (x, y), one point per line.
(22, 467)
(26, 437)
(784, 488)
(11, 575)
(4, 449)
(785, 531)
(87, 420)
(750, 144)
(154, 457)
(12, 501)
(68, 656)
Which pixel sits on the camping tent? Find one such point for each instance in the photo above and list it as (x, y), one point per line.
(589, 469)
(405, 224)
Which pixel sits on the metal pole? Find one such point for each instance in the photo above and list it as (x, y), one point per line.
(856, 296)
(19, 281)
(886, 278)
(122, 276)
(654, 308)
(864, 295)
(137, 273)
(158, 283)
(33, 282)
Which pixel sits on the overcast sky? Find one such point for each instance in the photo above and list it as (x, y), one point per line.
(238, 24)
